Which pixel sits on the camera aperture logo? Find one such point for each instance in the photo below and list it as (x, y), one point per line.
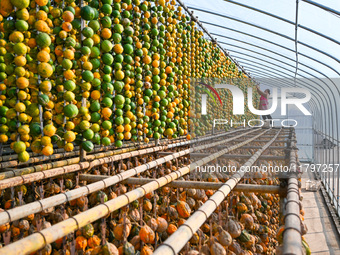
(238, 100)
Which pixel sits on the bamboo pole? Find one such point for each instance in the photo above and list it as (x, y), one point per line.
(259, 147)
(37, 241)
(38, 206)
(273, 189)
(68, 162)
(233, 156)
(175, 243)
(292, 233)
(12, 160)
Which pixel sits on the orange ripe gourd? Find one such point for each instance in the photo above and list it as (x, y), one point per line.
(183, 209)
(68, 16)
(146, 234)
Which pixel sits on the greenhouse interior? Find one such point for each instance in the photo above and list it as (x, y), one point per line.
(169, 127)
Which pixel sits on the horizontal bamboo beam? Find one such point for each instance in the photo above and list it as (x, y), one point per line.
(280, 137)
(174, 244)
(233, 156)
(267, 140)
(37, 241)
(103, 159)
(274, 189)
(12, 160)
(259, 147)
(68, 162)
(38, 206)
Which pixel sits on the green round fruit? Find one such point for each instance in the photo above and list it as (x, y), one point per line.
(106, 141)
(107, 102)
(35, 129)
(19, 147)
(106, 9)
(87, 32)
(119, 100)
(118, 143)
(107, 59)
(106, 22)
(43, 99)
(118, 28)
(95, 117)
(43, 40)
(23, 156)
(88, 134)
(87, 146)
(128, 49)
(95, 106)
(106, 125)
(117, 38)
(21, 25)
(20, 4)
(106, 46)
(71, 110)
(87, 13)
(3, 110)
(70, 85)
(87, 76)
(94, 24)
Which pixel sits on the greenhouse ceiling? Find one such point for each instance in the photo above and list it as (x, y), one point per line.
(282, 43)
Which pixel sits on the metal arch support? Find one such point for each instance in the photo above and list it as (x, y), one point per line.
(268, 30)
(296, 35)
(265, 29)
(299, 74)
(322, 7)
(275, 58)
(268, 63)
(212, 39)
(275, 64)
(267, 41)
(336, 115)
(285, 20)
(260, 11)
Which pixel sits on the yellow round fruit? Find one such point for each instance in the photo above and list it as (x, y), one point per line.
(46, 140)
(47, 150)
(3, 138)
(20, 107)
(49, 130)
(69, 136)
(69, 147)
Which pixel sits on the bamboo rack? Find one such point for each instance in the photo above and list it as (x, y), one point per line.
(175, 243)
(274, 189)
(74, 161)
(233, 156)
(38, 240)
(11, 160)
(38, 206)
(28, 178)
